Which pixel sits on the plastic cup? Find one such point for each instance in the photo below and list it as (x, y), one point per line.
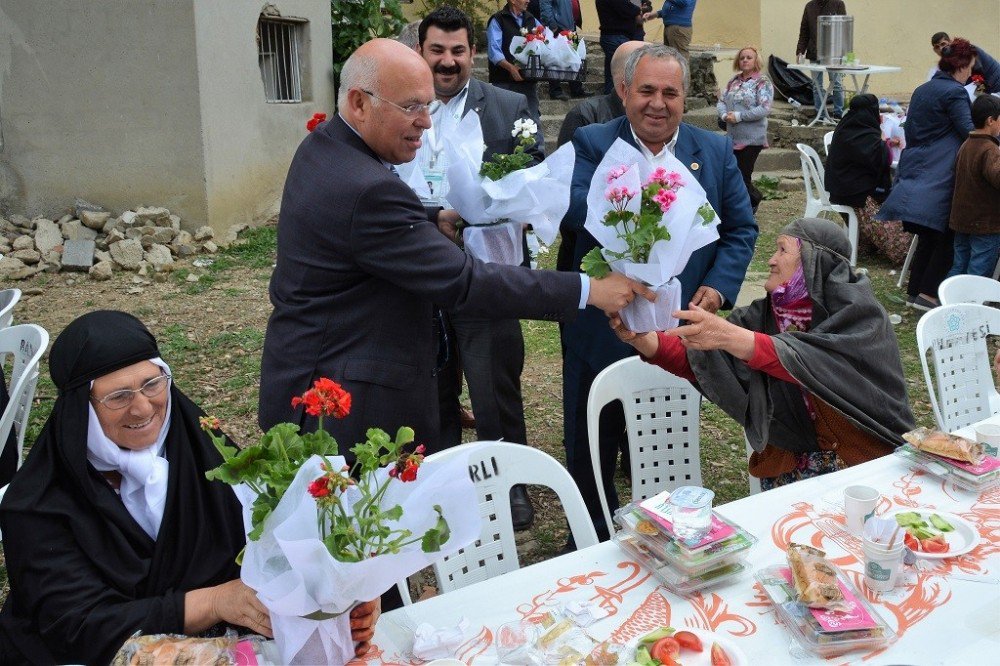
(859, 506)
(691, 512)
(882, 564)
(988, 433)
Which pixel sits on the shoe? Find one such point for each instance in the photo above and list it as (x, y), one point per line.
(922, 304)
(561, 95)
(581, 95)
(466, 419)
(521, 511)
(836, 116)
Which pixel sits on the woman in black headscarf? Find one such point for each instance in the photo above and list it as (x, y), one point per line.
(859, 174)
(811, 371)
(111, 527)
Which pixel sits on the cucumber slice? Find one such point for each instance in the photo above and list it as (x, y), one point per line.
(940, 523)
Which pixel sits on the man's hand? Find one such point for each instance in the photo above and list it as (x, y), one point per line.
(447, 221)
(614, 292)
(363, 619)
(513, 70)
(707, 298)
(705, 331)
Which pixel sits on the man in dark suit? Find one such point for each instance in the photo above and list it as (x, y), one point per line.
(491, 350)
(359, 265)
(653, 88)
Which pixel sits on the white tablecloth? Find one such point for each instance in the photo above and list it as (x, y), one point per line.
(949, 613)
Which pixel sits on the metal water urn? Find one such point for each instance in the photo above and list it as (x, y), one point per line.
(834, 39)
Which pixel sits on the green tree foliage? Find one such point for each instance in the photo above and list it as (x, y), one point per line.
(356, 21)
(479, 10)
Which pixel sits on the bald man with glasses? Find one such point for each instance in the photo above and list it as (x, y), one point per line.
(359, 265)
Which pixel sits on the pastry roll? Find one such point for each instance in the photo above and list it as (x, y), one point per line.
(814, 578)
(942, 444)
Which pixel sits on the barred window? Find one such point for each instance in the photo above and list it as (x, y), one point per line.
(279, 41)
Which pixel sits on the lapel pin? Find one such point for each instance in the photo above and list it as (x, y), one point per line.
(695, 166)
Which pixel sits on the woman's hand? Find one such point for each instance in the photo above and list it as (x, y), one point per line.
(363, 619)
(646, 344)
(231, 602)
(705, 331)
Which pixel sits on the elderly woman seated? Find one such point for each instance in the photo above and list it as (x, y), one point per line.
(812, 370)
(111, 527)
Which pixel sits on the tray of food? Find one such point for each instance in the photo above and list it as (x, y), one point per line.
(823, 611)
(673, 579)
(967, 464)
(726, 543)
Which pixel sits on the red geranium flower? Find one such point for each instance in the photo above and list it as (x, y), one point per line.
(313, 122)
(408, 464)
(325, 398)
(319, 488)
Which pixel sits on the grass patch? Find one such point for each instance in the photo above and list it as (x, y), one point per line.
(255, 248)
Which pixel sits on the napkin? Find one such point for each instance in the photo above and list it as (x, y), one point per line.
(430, 643)
(584, 613)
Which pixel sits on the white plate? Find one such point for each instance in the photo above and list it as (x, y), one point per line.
(704, 658)
(961, 541)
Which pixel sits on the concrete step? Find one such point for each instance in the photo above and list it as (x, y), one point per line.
(778, 159)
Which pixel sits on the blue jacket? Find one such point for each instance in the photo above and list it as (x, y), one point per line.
(558, 15)
(938, 121)
(721, 265)
(678, 12)
(990, 68)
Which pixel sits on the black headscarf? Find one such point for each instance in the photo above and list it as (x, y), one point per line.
(849, 357)
(858, 165)
(83, 573)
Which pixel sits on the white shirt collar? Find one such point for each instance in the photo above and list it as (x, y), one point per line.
(648, 154)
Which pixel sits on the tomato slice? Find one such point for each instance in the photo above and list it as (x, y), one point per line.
(689, 641)
(911, 542)
(934, 545)
(719, 656)
(665, 649)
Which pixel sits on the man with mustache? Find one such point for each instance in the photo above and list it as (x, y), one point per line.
(491, 351)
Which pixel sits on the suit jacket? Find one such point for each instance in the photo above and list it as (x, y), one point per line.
(721, 265)
(498, 109)
(358, 268)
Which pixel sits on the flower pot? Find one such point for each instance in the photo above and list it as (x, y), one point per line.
(641, 316)
(499, 243)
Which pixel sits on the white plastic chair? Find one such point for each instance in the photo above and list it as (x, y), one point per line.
(662, 419)
(906, 262)
(969, 289)
(818, 199)
(961, 390)
(8, 299)
(496, 466)
(827, 140)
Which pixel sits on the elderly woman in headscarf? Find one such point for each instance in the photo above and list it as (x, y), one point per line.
(111, 527)
(811, 371)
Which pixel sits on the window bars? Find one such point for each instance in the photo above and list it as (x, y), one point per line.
(278, 44)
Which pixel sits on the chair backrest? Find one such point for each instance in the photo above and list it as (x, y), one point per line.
(26, 343)
(969, 289)
(959, 373)
(813, 175)
(8, 299)
(827, 140)
(662, 417)
(494, 468)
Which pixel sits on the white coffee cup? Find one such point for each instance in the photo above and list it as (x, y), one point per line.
(859, 506)
(988, 433)
(881, 564)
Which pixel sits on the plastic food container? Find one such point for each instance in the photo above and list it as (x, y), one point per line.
(934, 466)
(687, 561)
(842, 633)
(673, 579)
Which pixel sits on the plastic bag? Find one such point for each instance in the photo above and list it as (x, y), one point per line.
(160, 649)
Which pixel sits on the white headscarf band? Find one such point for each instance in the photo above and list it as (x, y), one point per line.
(144, 472)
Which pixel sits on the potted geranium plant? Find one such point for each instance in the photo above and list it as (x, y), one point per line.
(323, 536)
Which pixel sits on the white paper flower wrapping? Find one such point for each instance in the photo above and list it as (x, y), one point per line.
(688, 233)
(534, 47)
(294, 574)
(538, 195)
(561, 54)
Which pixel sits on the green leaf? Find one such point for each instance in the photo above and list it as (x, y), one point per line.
(594, 264)
(438, 535)
(395, 513)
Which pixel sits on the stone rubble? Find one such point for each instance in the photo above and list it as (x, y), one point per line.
(148, 241)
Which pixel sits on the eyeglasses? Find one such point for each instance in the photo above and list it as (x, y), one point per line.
(123, 398)
(413, 110)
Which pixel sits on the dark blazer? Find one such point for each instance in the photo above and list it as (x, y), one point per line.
(721, 265)
(498, 109)
(938, 121)
(358, 268)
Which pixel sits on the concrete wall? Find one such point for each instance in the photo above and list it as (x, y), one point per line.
(248, 142)
(99, 99)
(156, 102)
(886, 32)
